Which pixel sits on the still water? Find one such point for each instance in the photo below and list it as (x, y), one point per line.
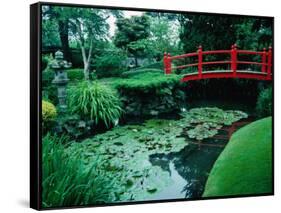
(190, 167)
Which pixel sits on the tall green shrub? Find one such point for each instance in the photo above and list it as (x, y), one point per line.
(67, 180)
(264, 103)
(95, 101)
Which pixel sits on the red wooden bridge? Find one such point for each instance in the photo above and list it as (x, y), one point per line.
(264, 73)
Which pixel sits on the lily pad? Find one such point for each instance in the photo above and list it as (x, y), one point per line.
(124, 150)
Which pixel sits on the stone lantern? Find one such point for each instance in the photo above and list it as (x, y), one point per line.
(59, 66)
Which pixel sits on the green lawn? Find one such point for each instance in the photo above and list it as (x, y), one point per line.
(245, 165)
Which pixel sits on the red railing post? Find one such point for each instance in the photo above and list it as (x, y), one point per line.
(200, 59)
(269, 62)
(167, 63)
(234, 59)
(263, 58)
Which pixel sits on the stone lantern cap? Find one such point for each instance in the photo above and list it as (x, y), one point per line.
(59, 63)
(59, 55)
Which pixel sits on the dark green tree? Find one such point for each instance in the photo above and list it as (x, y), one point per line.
(131, 30)
(254, 33)
(210, 31)
(85, 26)
(56, 30)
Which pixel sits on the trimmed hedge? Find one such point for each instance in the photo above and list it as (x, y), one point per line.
(245, 165)
(145, 81)
(150, 93)
(140, 71)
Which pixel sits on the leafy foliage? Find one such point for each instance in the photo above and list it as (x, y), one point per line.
(49, 114)
(205, 122)
(131, 73)
(137, 89)
(49, 111)
(129, 31)
(66, 181)
(148, 80)
(47, 77)
(94, 101)
(207, 30)
(264, 103)
(110, 62)
(75, 74)
(50, 33)
(254, 34)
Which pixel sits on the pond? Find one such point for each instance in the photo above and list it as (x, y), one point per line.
(190, 167)
(164, 158)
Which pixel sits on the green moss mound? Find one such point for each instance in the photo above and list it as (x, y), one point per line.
(245, 166)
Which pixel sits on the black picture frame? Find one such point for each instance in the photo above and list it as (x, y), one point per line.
(36, 108)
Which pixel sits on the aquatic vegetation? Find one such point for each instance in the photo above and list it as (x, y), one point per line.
(126, 150)
(202, 131)
(215, 115)
(205, 122)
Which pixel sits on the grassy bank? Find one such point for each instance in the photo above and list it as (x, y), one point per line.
(245, 166)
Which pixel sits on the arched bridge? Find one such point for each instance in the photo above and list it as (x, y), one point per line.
(263, 73)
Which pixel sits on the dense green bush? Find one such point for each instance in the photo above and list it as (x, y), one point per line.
(264, 103)
(94, 101)
(50, 93)
(156, 65)
(141, 71)
(75, 74)
(49, 111)
(67, 180)
(49, 114)
(110, 63)
(148, 80)
(47, 77)
(150, 93)
(46, 59)
(72, 74)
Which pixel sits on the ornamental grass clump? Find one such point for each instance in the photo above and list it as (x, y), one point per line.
(67, 180)
(95, 101)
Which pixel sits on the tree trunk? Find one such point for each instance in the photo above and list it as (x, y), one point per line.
(86, 71)
(136, 61)
(87, 59)
(63, 31)
(85, 62)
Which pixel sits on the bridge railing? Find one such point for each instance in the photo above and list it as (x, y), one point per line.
(265, 63)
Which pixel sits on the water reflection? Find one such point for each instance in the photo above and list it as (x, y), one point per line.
(189, 168)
